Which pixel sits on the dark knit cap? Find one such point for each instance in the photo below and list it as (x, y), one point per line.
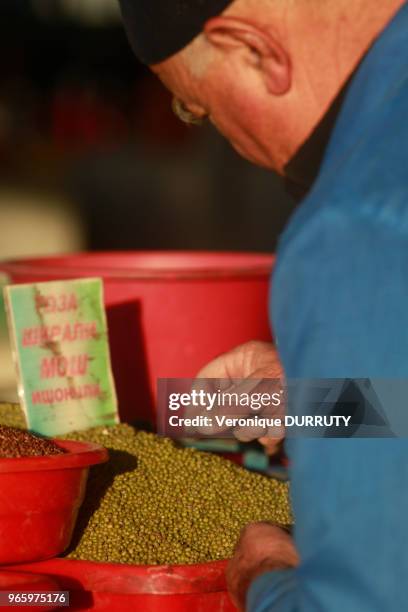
(157, 29)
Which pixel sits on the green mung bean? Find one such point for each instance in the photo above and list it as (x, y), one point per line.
(157, 503)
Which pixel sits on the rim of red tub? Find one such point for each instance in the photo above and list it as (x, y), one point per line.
(78, 455)
(145, 265)
(206, 577)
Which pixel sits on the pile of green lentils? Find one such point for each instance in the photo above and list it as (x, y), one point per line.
(157, 503)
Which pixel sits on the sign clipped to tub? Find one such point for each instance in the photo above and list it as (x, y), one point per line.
(60, 345)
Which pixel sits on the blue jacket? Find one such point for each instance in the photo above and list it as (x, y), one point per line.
(340, 309)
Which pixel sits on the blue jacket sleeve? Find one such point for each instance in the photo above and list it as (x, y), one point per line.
(273, 591)
(341, 310)
(351, 500)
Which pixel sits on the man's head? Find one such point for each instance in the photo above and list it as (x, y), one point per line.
(263, 71)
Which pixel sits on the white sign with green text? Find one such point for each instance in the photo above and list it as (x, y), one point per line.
(60, 345)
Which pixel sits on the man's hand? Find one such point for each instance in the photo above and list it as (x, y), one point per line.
(261, 548)
(253, 361)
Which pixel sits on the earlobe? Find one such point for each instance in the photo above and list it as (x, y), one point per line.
(272, 59)
(277, 74)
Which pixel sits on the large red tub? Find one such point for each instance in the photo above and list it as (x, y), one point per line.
(105, 587)
(169, 313)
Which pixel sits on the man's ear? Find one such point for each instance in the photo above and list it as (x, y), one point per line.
(265, 51)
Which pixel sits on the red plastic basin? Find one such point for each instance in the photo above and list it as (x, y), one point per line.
(169, 313)
(22, 582)
(103, 587)
(39, 501)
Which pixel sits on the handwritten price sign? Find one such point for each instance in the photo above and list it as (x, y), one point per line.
(60, 345)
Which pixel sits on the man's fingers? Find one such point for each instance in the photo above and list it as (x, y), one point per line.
(271, 445)
(242, 381)
(237, 584)
(262, 547)
(243, 360)
(248, 434)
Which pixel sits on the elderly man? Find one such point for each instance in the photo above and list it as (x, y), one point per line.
(317, 90)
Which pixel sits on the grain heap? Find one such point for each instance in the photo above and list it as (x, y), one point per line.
(18, 443)
(156, 503)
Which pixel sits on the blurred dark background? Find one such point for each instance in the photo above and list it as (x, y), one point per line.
(92, 157)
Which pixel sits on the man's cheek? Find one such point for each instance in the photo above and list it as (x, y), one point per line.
(227, 128)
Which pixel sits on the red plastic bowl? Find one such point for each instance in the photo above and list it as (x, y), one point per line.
(110, 587)
(39, 501)
(22, 582)
(169, 313)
